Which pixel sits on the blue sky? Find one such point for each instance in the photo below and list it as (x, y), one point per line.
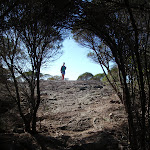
(76, 61)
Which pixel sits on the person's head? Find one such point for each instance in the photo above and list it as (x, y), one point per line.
(63, 64)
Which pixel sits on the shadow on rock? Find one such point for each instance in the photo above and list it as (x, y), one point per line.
(105, 141)
(48, 142)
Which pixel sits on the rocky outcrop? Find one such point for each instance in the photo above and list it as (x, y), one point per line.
(80, 110)
(74, 115)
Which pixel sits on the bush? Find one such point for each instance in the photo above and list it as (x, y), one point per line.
(98, 77)
(85, 76)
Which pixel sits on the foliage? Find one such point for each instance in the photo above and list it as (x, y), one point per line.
(50, 12)
(45, 76)
(112, 75)
(31, 36)
(98, 77)
(116, 30)
(100, 53)
(4, 74)
(123, 26)
(55, 78)
(85, 76)
(89, 76)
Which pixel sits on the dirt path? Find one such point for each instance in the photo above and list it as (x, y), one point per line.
(74, 115)
(79, 110)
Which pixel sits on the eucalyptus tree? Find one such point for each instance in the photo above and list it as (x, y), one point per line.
(124, 27)
(100, 54)
(42, 44)
(28, 58)
(31, 35)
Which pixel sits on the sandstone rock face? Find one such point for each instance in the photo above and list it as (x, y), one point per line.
(79, 110)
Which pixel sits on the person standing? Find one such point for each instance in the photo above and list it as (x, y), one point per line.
(63, 68)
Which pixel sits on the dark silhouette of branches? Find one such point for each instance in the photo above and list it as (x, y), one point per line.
(124, 27)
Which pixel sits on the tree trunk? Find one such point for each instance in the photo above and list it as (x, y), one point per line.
(27, 126)
(38, 100)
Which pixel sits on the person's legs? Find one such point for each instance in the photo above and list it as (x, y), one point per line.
(62, 76)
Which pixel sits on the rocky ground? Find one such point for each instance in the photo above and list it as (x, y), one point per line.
(78, 115)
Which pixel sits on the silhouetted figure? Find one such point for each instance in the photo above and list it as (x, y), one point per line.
(63, 68)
